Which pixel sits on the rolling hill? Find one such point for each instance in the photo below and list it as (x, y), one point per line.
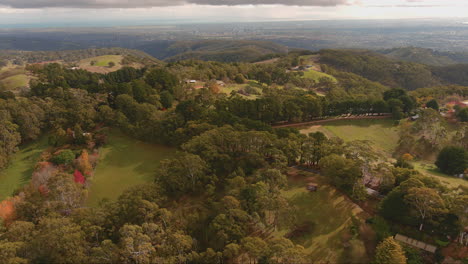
(214, 50)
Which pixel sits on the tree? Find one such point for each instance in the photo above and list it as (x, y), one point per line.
(9, 252)
(460, 207)
(389, 252)
(255, 247)
(59, 240)
(135, 245)
(162, 80)
(83, 163)
(65, 157)
(239, 79)
(344, 173)
(407, 157)
(426, 201)
(452, 160)
(10, 138)
(433, 104)
(462, 114)
(111, 64)
(166, 99)
(184, 174)
(231, 251)
(284, 251)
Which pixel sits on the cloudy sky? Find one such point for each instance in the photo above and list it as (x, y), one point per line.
(69, 12)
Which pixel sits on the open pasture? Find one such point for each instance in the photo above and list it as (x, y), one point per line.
(382, 133)
(100, 64)
(124, 162)
(21, 167)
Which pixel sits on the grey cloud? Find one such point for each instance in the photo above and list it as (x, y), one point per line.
(151, 3)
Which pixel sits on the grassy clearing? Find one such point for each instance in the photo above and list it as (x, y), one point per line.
(237, 87)
(14, 77)
(327, 215)
(124, 162)
(431, 170)
(16, 81)
(316, 75)
(20, 171)
(381, 132)
(101, 63)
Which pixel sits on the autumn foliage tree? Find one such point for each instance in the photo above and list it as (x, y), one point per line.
(83, 163)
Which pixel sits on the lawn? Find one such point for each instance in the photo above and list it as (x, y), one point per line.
(124, 162)
(21, 168)
(381, 132)
(325, 218)
(431, 170)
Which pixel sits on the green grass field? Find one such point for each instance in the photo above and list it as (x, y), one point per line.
(431, 170)
(316, 75)
(328, 215)
(124, 162)
(381, 132)
(101, 63)
(21, 168)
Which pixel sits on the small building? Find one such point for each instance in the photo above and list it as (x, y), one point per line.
(372, 192)
(415, 243)
(220, 83)
(414, 118)
(191, 81)
(312, 187)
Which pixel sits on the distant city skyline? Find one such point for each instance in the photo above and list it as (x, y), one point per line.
(123, 12)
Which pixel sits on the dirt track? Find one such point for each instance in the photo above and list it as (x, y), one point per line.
(329, 120)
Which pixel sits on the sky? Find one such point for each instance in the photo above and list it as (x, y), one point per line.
(134, 12)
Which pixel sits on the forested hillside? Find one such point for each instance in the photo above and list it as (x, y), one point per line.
(426, 56)
(69, 56)
(213, 50)
(379, 68)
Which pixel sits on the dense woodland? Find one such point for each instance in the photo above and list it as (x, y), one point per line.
(214, 202)
(394, 73)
